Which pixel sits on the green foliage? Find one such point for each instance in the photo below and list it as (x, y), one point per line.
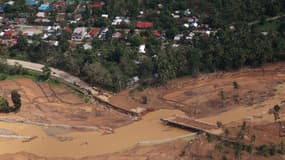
(144, 99)
(219, 147)
(3, 77)
(16, 98)
(46, 73)
(210, 137)
(4, 105)
(235, 85)
(219, 124)
(222, 94)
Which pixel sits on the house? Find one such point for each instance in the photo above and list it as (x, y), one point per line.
(94, 32)
(157, 34)
(44, 7)
(120, 20)
(8, 42)
(11, 3)
(117, 35)
(1, 9)
(102, 35)
(40, 15)
(187, 12)
(142, 48)
(31, 2)
(175, 15)
(87, 46)
(79, 33)
(60, 17)
(67, 30)
(178, 37)
(97, 5)
(20, 20)
(104, 15)
(58, 4)
(144, 24)
(9, 33)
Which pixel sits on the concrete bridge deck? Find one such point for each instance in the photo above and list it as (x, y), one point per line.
(192, 125)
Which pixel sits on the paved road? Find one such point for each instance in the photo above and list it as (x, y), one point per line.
(267, 20)
(102, 96)
(55, 72)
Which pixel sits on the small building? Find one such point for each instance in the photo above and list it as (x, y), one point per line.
(79, 33)
(178, 37)
(40, 15)
(144, 24)
(104, 15)
(31, 2)
(142, 48)
(44, 7)
(97, 5)
(60, 17)
(94, 32)
(9, 33)
(117, 35)
(1, 9)
(87, 46)
(58, 4)
(120, 20)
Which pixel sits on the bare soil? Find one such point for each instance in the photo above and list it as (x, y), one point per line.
(58, 104)
(201, 96)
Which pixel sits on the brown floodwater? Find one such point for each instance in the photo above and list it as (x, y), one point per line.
(80, 144)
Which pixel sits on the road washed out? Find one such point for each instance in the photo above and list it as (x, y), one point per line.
(80, 144)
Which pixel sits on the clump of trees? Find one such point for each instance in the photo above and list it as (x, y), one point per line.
(46, 73)
(16, 99)
(111, 63)
(240, 146)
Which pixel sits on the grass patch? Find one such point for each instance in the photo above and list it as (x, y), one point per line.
(270, 26)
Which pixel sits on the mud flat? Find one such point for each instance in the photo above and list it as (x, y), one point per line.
(80, 144)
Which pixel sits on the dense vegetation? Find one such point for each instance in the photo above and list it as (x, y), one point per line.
(112, 63)
(16, 99)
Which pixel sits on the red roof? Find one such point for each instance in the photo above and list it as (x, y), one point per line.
(8, 33)
(94, 31)
(97, 5)
(145, 24)
(67, 29)
(156, 33)
(59, 4)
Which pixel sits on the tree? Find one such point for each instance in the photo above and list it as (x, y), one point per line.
(222, 94)
(46, 72)
(282, 147)
(4, 105)
(227, 132)
(22, 43)
(219, 147)
(144, 99)
(252, 138)
(16, 98)
(276, 112)
(235, 85)
(219, 124)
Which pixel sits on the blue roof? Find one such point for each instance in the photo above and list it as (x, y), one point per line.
(44, 7)
(31, 2)
(1, 9)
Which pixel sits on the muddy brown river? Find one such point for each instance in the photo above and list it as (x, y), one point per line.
(80, 144)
